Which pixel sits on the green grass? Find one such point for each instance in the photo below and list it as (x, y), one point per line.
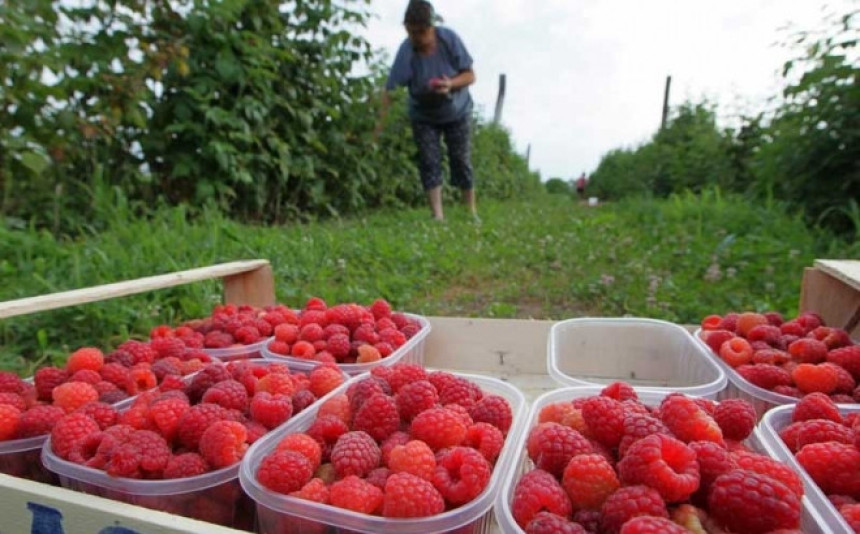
(550, 258)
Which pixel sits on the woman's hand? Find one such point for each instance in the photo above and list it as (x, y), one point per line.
(442, 85)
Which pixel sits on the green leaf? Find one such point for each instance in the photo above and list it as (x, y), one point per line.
(34, 161)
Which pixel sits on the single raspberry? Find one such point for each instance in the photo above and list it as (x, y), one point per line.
(334, 329)
(551, 446)
(196, 420)
(808, 350)
(392, 336)
(835, 467)
(165, 367)
(767, 333)
(744, 501)
(462, 474)
(405, 373)
(765, 376)
(851, 514)
(736, 351)
(85, 358)
(380, 308)
(367, 354)
(119, 375)
(550, 523)
(230, 394)
(325, 378)
(166, 347)
(629, 502)
(72, 395)
(279, 347)
(304, 445)
(285, 471)
(589, 519)
(39, 420)
(411, 330)
(365, 334)
(10, 418)
(636, 427)
(653, 525)
(142, 352)
(770, 356)
(438, 427)
(355, 453)
(14, 400)
(811, 378)
(326, 431)
(247, 334)
(103, 414)
(493, 409)
(338, 406)
(748, 320)
(143, 378)
(314, 491)
(223, 443)
(271, 410)
(620, 391)
(538, 491)
(687, 421)
(711, 322)
(816, 406)
(736, 418)
(757, 463)
(166, 414)
(414, 398)
(205, 379)
(286, 333)
(486, 439)
(588, 479)
(407, 495)
(378, 417)
(277, 383)
(605, 419)
(460, 391)
(187, 464)
(356, 494)
(663, 463)
(143, 454)
(714, 339)
(413, 457)
(714, 460)
(845, 383)
(311, 333)
(392, 441)
(848, 358)
(820, 431)
(46, 379)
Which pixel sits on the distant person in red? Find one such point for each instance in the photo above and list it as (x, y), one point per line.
(580, 186)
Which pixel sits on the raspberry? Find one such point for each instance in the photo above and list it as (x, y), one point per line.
(414, 457)
(687, 421)
(460, 391)
(230, 394)
(325, 378)
(166, 414)
(770, 356)
(757, 463)
(10, 417)
(378, 417)
(629, 502)
(365, 333)
(551, 446)
(103, 414)
(605, 419)
(767, 333)
(810, 378)
(368, 354)
(461, 475)
(310, 315)
(14, 400)
(337, 406)
(144, 454)
(143, 378)
(414, 398)
(46, 379)
(713, 460)
(845, 383)
(711, 322)
(486, 439)
(196, 420)
(820, 431)
(314, 491)
(848, 358)
(119, 375)
(304, 350)
(39, 420)
(744, 501)
(247, 335)
(663, 463)
(163, 368)
(411, 330)
(392, 441)
(406, 495)
(166, 347)
(311, 333)
(637, 426)
(205, 379)
(187, 464)
(380, 308)
(326, 430)
(765, 376)
(72, 395)
(286, 333)
(493, 409)
(85, 358)
(356, 494)
(271, 410)
(438, 427)
(589, 519)
(748, 320)
(141, 352)
(304, 445)
(808, 350)
(285, 471)
(538, 491)
(851, 514)
(404, 373)
(652, 525)
(392, 336)
(736, 351)
(588, 480)
(715, 339)
(736, 418)
(620, 391)
(835, 467)
(549, 523)
(223, 443)
(355, 453)
(217, 340)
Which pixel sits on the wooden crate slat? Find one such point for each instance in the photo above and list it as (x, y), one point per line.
(837, 302)
(847, 271)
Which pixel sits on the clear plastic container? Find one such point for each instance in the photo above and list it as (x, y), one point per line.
(812, 522)
(277, 513)
(239, 352)
(410, 352)
(22, 458)
(739, 387)
(646, 353)
(771, 424)
(215, 497)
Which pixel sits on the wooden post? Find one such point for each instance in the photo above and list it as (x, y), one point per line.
(666, 103)
(500, 100)
(528, 154)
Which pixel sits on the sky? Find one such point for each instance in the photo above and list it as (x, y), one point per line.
(588, 76)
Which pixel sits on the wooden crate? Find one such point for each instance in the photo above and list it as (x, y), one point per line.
(510, 349)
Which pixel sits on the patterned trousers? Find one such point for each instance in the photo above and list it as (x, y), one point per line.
(457, 140)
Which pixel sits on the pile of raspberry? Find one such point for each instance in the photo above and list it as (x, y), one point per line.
(191, 426)
(231, 325)
(792, 358)
(610, 464)
(31, 409)
(826, 443)
(343, 333)
(403, 442)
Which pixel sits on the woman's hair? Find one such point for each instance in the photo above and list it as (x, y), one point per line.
(420, 13)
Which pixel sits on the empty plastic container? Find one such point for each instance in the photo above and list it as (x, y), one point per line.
(771, 424)
(812, 522)
(410, 352)
(277, 513)
(647, 353)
